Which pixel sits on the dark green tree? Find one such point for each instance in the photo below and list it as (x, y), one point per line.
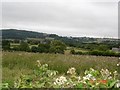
(5, 45)
(43, 48)
(103, 47)
(57, 47)
(34, 49)
(72, 51)
(24, 46)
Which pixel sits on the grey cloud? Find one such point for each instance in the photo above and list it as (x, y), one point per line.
(63, 18)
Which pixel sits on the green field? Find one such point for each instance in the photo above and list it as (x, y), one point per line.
(17, 44)
(16, 63)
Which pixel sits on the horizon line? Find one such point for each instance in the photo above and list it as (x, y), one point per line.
(58, 34)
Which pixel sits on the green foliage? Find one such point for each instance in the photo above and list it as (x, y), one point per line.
(96, 53)
(57, 47)
(20, 34)
(16, 48)
(34, 49)
(33, 42)
(76, 52)
(81, 42)
(16, 41)
(24, 46)
(5, 45)
(72, 51)
(79, 53)
(15, 63)
(5, 85)
(54, 47)
(43, 77)
(43, 48)
(93, 72)
(104, 53)
(103, 47)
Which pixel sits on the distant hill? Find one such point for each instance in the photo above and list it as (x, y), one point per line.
(20, 34)
(23, 34)
(72, 41)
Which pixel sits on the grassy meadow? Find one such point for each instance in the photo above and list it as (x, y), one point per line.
(16, 63)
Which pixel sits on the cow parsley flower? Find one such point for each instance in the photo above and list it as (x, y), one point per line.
(89, 77)
(105, 73)
(60, 81)
(71, 71)
(38, 63)
(118, 64)
(118, 84)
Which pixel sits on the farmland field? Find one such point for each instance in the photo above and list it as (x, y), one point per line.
(16, 63)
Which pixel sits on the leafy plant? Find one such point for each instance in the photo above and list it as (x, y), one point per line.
(43, 77)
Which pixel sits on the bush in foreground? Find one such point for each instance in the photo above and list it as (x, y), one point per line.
(42, 77)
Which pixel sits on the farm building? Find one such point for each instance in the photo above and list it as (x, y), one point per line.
(116, 49)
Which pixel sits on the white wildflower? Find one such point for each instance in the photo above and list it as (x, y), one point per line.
(85, 78)
(71, 71)
(46, 65)
(110, 77)
(93, 78)
(54, 83)
(105, 73)
(79, 78)
(118, 64)
(60, 81)
(115, 73)
(97, 83)
(118, 84)
(38, 63)
(89, 77)
(92, 69)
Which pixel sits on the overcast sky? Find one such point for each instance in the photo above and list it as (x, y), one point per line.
(91, 18)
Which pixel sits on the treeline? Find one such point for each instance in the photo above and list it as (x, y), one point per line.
(96, 53)
(56, 46)
(53, 47)
(77, 42)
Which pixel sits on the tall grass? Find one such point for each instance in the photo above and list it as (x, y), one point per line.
(15, 63)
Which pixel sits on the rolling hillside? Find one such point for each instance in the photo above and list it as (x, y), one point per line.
(71, 41)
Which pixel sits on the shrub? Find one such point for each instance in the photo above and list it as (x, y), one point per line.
(57, 47)
(43, 48)
(79, 53)
(34, 49)
(103, 53)
(5, 45)
(72, 51)
(24, 46)
(16, 48)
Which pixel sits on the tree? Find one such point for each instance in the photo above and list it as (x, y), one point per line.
(72, 51)
(16, 48)
(16, 41)
(34, 49)
(43, 48)
(24, 46)
(5, 45)
(103, 47)
(57, 47)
